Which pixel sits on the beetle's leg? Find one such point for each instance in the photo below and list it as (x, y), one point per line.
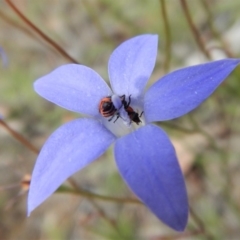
(129, 101)
(123, 101)
(118, 115)
(110, 119)
(123, 97)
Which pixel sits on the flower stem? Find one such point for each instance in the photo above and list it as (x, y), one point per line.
(200, 224)
(214, 31)
(194, 30)
(87, 194)
(109, 220)
(203, 132)
(40, 33)
(176, 127)
(168, 40)
(19, 137)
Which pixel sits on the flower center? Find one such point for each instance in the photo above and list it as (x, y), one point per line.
(119, 116)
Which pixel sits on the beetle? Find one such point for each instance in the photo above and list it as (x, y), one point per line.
(107, 108)
(134, 116)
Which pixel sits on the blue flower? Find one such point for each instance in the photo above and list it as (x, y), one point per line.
(145, 156)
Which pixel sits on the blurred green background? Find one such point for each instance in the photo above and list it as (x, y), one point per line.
(207, 140)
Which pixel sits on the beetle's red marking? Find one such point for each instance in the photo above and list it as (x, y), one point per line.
(106, 107)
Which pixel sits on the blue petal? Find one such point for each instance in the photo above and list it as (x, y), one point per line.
(183, 90)
(74, 87)
(69, 149)
(131, 65)
(147, 161)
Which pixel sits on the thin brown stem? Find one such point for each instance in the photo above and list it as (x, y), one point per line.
(40, 33)
(19, 137)
(168, 40)
(24, 29)
(87, 194)
(214, 31)
(180, 128)
(15, 24)
(200, 224)
(194, 29)
(104, 216)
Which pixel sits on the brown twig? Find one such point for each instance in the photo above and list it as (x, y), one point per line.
(87, 194)
(200, 224)
(15, 24)
(214, 31)
(40, 33)
(194, 29)
(168, 39)
(19, 137)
